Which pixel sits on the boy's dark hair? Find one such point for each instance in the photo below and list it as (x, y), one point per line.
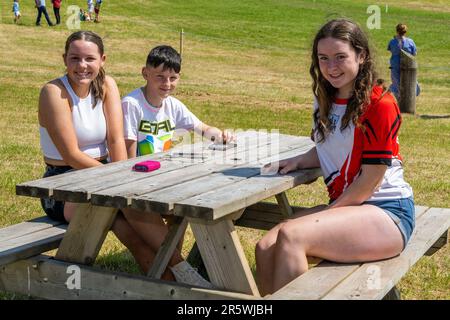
(165, 55)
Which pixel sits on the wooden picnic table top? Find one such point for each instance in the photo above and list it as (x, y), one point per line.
(193, 181)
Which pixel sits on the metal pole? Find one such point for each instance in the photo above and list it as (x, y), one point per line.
(181, 41)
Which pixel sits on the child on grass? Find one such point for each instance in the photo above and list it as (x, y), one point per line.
(16, 10)
(90, 10)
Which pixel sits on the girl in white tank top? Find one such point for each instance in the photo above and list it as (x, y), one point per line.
(89, 124)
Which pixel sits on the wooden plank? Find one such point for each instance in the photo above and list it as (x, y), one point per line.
(86, 233)
(320, 280)
(120, 196)
(220, 202)
(268, 207)
(263, 216)
(442, 241)
(124, 189)
(23, 228)
(284, 205)
(167, 248)
(44, 187)
(123, 193)
(46, 278)
(374, 280)
(31, 244)
(313, 284)
(82, 190)
(223, 256)
(393, 294)
(420, 211)
(162, 201)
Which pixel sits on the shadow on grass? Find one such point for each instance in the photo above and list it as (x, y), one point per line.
(433, 116)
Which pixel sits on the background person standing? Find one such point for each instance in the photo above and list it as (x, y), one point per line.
(16, 11)
(398, 43)
(98, 5)
(56, 6)
(40, 6)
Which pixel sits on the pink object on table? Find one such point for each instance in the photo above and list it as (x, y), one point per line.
(147, 166)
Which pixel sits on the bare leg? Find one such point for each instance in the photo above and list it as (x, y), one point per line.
(346, 234)
(152, 229)
(265, 252)
(141, 251)
(265, 255)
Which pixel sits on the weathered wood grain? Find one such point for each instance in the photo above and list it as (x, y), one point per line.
(224, 257)
(47, 278)
(31, 244)
(27, 227)
(167, 248)
(222, 201)
(374, 280)
(86, 233)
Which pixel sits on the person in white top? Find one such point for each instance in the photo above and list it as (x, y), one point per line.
(90, 9)
(80, 120)
(152, 115)
(370, 215)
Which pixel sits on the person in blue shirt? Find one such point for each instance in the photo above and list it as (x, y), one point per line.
(400, 42)
(16, 10)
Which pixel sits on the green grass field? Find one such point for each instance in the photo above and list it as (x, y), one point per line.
(245, 65)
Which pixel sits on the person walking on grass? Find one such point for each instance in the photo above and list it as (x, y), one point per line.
(98, 5)
(80, 125)
(398, 43)
(42, 9)
(90, 10)
(16, 11)
(56, 7)
(356, 122)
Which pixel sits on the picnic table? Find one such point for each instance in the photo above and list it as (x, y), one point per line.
(197, 185)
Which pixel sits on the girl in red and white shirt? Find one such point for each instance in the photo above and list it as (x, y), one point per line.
(370, 215)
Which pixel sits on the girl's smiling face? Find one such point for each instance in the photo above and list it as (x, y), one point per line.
(83, 61)
(339, 64)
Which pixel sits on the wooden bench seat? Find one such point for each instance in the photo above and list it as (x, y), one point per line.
(27, 239)
(20, 243)
(373, 280)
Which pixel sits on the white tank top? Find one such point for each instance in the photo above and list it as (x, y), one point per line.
(89, 124)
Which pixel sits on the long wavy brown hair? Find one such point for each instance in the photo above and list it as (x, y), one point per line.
(97, 84)
(344, 30)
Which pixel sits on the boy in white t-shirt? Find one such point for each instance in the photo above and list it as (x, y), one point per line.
(151, 115)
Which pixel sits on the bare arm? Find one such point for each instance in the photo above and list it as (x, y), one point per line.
(55, 115)
(131, 146)
(215, 134)
(302, 161)
(114, 121)
(363, 187)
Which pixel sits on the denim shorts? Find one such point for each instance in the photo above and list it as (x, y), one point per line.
(54, 209)
(402, 212)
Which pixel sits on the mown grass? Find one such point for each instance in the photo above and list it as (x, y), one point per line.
(245, 65)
